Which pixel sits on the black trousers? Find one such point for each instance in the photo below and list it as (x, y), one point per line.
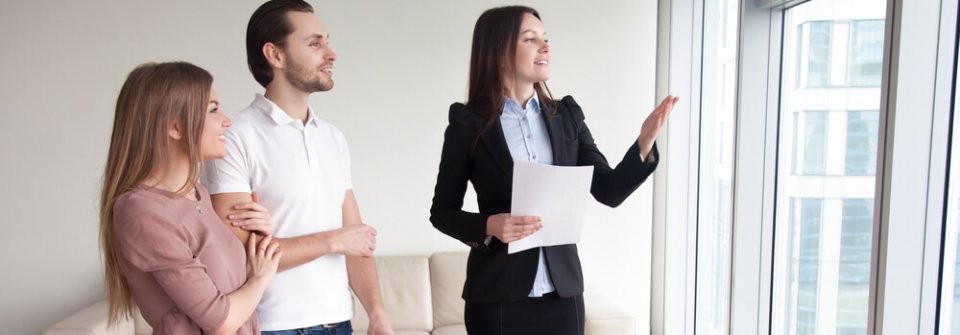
(550, 314)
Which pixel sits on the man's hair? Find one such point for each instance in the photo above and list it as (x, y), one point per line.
(269, 24)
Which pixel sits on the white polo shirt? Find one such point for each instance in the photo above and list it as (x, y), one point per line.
(301, 173)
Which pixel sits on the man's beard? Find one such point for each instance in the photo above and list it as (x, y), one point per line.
(299, 77)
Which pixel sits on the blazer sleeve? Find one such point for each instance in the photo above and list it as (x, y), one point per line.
(610, 186)
(446, 212)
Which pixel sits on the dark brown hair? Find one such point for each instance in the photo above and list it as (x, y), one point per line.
(269, 24)
(494, 43)
(153, 98)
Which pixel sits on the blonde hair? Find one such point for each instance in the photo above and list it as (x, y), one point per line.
(153, 98)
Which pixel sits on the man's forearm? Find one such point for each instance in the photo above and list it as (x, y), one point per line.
(362, 273)
(304, 249)
(296, 250)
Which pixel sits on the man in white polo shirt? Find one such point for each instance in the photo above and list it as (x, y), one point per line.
(299, 166)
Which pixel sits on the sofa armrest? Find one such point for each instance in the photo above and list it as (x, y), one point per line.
(605, 317)
(91, 321)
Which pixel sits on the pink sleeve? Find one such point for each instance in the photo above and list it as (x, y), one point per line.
(151, 239)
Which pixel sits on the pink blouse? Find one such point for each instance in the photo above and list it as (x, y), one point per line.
(179, 260)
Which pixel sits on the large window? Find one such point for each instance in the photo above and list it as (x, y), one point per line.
(827, 158)
(813, 186)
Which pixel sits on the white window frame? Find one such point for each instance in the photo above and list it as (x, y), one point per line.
(910, 182)
(675, 183)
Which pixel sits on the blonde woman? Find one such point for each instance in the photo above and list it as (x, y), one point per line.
(164, 247)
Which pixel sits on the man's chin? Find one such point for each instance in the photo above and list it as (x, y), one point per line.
(324, 86)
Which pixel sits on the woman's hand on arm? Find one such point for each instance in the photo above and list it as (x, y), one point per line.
(263, 258)
(251, 216)
(654, 122)
(508, 228)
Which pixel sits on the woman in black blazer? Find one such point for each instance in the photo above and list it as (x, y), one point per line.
(510, 116)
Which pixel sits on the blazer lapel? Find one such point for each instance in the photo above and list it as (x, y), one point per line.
(497, 144)
(555, 130)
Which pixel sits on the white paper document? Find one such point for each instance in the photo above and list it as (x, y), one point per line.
(558, 195)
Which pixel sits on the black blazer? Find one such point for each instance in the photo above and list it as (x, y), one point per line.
(492, 274)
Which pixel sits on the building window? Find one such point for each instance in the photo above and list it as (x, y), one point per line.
(810, 156)
(861, 153)
(839, 53)
(806, 261)
(818, 52)
(866, 53)
(853, 291)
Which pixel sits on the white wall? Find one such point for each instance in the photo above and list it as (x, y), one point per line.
(401, 63)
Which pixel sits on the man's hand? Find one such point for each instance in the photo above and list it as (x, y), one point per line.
(355, 240)
(379, 326)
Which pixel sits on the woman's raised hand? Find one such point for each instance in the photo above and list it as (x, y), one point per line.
(654, 122)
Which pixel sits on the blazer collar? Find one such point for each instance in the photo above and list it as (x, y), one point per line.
(496, 143)
(554, 123)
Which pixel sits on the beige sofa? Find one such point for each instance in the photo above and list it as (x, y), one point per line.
(421, 295)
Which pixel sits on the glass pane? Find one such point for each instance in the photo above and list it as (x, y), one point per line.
(814, 142)
(866, 52)
(950, 274)
(818, 52)
(827, 156)
(862, 135)
(716, 170)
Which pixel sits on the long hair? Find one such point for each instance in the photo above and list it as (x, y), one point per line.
(494, 44)
(153, 98)
(269, 24)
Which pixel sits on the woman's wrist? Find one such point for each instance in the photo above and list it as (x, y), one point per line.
(258, 281)
(644, 146)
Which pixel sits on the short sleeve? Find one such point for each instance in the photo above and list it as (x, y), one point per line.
(231, 173)
(345, 153)
(150, 240)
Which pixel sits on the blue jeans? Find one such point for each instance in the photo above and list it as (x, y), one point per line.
(343, 328)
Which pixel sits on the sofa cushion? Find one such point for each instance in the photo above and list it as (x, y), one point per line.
(91, 320)
(450, 330)
(405, 288)
(448, 272)
(396, 332)
(141, 325)
(604, 317)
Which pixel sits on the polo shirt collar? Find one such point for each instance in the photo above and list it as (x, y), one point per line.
(278, 115)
